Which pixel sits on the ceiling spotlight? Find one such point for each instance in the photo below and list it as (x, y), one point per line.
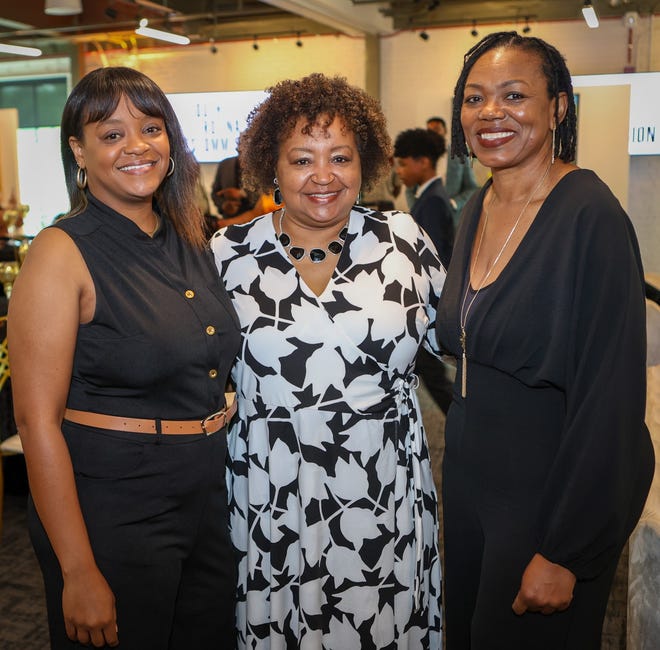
(145, 30)
(424, 36)
(589, 14)
(21, 50)
(474, 31)
(299, 43)
(255, 45)
(63, 7)
(526, 29)
(213, 48)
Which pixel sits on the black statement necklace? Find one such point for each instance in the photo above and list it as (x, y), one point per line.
(316, 255)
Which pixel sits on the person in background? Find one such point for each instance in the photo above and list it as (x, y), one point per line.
(547, 459)
(458, 176)
(416, 154)
(121, 337)
(228, 177)
(333, 506)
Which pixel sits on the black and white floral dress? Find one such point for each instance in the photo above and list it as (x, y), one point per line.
(333, 506)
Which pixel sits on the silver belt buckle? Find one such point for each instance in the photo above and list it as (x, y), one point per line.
(213, 416)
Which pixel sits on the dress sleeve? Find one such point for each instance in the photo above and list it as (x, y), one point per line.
(604, 462)
(432, 269)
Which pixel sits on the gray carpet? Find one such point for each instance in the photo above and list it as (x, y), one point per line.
(22, 609)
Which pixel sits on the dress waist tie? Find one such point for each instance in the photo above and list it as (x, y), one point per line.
(408, 407)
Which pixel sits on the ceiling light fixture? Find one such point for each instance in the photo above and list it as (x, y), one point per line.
(589, 14)
(154, 6)
(19, 49)
(63, 7)
(255, 45)
(526, 29)
(299, 43)
(424, 35)
(145, 30)
(474, 31)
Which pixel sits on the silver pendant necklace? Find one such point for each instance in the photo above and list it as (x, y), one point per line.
(316, 255)
(465, 311)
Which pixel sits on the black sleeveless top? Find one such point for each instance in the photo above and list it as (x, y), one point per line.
(164, 333)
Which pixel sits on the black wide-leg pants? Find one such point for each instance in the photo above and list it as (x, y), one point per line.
(155, 507)
(490, 535)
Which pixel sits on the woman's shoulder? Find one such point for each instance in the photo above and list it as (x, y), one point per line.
(78, 224)
(256, 230)
(584, 194)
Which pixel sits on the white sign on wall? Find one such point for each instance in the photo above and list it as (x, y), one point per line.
(644, 124)
(213, 121)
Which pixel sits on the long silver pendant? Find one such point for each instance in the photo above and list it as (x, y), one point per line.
(464, 365)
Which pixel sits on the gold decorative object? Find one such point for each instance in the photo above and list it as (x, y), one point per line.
(13, 219)
(8, 273)
(22, 250)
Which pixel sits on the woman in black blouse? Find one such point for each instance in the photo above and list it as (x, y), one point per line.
(547, 458)
(121, 339)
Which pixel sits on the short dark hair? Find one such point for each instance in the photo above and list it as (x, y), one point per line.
(310, 98)
(95, 97)
(418, 143)
(435, 118)
(558, 79)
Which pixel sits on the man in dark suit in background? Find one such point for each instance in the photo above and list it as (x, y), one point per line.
(416, 153)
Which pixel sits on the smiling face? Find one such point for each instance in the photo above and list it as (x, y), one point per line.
(319, 174)
(507, 116)
(126, 157)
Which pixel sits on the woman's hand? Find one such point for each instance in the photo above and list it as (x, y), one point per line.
(89, 609)
(545, 587)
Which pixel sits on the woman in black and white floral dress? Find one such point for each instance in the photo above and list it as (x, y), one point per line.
(333, 506)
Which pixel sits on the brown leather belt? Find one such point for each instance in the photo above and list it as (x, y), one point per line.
(208, 425)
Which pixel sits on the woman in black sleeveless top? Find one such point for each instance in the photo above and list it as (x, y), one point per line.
(121, 338)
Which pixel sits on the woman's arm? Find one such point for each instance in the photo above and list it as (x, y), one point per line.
(52, 295)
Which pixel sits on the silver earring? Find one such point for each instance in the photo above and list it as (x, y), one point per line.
(81, 178)
(554, 129)
(358, 200)
(170, 168)
(469, 153)
(277, 195)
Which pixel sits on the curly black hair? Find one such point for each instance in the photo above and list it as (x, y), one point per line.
(311, 98)
(418, 143)
(555, 71)
(94, 98)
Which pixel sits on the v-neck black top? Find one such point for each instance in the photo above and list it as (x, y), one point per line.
(556, 374)
(164, 333)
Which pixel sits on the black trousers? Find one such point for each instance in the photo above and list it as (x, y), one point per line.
(155, 507)
(488, 542)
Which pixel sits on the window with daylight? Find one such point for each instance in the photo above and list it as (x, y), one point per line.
(39, 101)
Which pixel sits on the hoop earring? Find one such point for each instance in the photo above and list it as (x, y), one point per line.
(170, 168)
(81, 178)
(358, 200)
(554, 129)
(277, 194)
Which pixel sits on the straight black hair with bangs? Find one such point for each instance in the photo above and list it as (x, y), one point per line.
(95, 98)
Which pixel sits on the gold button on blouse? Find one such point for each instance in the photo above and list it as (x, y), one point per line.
(210, 330)
(190, 293)
(213, 373)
